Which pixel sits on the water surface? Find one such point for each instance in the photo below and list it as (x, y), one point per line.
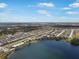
(47, 49)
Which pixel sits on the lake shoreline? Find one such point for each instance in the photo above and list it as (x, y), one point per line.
(6, 56)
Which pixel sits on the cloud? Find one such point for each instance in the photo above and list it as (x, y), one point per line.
(66, 8)
(72, 7)
(44, 12)
(7, 17)
(3, 5)
(46, 4)
(72, 12)
(74, 4)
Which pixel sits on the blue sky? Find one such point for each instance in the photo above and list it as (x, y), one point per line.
(39, 10)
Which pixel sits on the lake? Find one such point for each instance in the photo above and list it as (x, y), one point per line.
(47, 49)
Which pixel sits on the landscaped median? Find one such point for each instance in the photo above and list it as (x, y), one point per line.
(75, 40)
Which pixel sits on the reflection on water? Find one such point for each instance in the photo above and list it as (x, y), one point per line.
(48, 49)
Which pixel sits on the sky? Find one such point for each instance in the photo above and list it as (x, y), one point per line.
(39, 10)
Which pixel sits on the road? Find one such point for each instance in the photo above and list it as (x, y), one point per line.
(60, 33)
(71, 34)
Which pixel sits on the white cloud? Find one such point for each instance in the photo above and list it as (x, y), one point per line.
(66, 8)
(7, 17)
(74, 4)
(72, 12)
(3, 5)
(44, 12)
(46, 4)
(71, 7)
